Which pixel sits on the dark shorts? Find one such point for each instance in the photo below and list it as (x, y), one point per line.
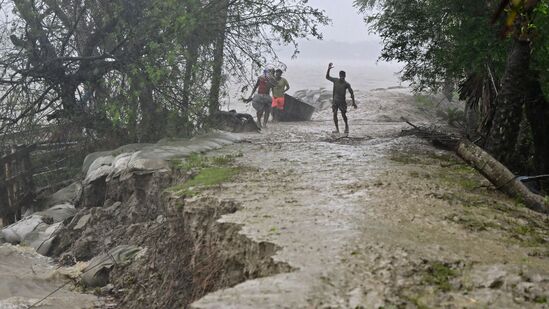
(342, 106)
(261, 102)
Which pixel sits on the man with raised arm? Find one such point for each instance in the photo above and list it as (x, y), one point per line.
(340, 92)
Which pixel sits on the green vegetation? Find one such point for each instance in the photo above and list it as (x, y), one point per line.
(528, 234)
(466, 183)
(207, 172)
(206, 178)
(439, 275)
(142, 69)
(424, 101)
(416, 301)
(198, 161)
(540, 300)
(472, 222)
(449, 44)
(405, 158)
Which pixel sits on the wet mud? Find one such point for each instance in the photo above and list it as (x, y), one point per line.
(379, 220)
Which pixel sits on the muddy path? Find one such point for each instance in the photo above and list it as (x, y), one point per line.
(377, 220)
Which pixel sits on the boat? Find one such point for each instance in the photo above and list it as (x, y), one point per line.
(294, 110)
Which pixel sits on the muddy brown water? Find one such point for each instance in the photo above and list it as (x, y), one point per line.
(26, 277)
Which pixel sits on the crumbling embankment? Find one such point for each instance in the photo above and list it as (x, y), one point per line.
(150, 241)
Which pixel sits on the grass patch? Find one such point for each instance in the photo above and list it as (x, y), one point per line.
(528, 234)
(464, 200)
(439, 275)
(463, 169)
(207, 172)
(540, 300)
(467, 182)
(447, 157)
(206, 178)
(425, 101)
(471, 223)
(416, 301)
(405, 158)
(199, 161)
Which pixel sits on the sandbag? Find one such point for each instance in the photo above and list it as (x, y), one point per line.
(96, 274)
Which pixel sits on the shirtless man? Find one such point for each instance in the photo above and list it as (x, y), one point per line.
(339, 101)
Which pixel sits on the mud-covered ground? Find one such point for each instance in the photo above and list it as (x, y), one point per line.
(309, 220)
(378, 220)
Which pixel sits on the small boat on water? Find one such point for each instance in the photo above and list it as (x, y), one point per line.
(294, 110)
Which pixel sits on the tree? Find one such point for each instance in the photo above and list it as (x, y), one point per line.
(144, 68)
(253, 28)
(440, 40)
(522, 93)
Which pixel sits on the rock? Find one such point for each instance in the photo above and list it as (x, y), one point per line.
(97, 272)
(109, 288)
(66, 259)
(538, 278)
(374, 300)
(525, 287)
(85, 248)
(113, 208)
(160, 219)
(82, 222)
(489, 277)
(235, 122)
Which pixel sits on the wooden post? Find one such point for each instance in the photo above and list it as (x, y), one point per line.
(16, 186)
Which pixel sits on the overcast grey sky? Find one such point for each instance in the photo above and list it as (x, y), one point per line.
(347, 23)
(345, 38)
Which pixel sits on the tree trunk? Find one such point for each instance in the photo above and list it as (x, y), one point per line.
(150, 122)
(150, 125)
(537, 112)
(500, 176)
(508, 110)
(219, 47)
(192, 59)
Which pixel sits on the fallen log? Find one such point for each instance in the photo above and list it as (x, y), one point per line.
(500, 176)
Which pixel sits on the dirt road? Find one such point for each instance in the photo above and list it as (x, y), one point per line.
(377, 220)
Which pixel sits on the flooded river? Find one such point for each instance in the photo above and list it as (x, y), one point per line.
(27, 277)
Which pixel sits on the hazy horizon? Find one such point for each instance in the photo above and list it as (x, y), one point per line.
(346, 42)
